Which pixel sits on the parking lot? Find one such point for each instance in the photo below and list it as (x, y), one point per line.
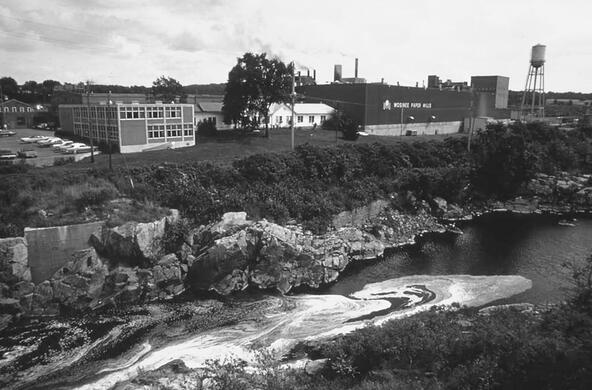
(45, 156)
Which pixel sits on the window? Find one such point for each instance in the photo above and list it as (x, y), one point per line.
(132, 113)
(155, 131)
(5, 109)
(155, 112)
(323, 118)
(188, 130)
(311, 119)
(13, 109)
(174, 130)
(278, 119)
(21, 109)
(300, 119)
(172, 112)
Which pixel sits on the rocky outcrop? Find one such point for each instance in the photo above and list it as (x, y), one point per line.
(135, 242)
(14, 263)
(269, 256)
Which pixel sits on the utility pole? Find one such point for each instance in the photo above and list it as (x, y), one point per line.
(90, 135)
(401, 119)
(2, 104)
(293, 102)
(109, 129)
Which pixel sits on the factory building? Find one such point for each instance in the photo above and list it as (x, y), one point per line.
(131, 127)
(441, 108)
(383, 109)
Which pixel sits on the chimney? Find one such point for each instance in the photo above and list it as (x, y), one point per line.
(314, 74)
(356, 71)
(307, 72)
(337, 73)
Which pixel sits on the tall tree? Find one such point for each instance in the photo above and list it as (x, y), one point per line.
(168, 89)
(9, 87)
(255, 83)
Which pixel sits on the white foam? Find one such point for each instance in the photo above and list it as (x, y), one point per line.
(317, 316)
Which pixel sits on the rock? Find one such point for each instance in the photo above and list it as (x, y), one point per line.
(440, 205)
(230, 221)
(138, 243)
(13, 258)
(43, 300)
(5, 320)
(521, 307)
(22, 288)
(313, 367)
(227, 254)
(9, 306)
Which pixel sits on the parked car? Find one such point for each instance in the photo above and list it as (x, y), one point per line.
(6, 133)
(82, 148)
(50, 141)
(27, 153)
(6, 154)
(74, 148)
(33, 139)
(58, 147)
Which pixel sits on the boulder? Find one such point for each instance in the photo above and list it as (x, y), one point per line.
(13, 258)
(227, 254)
(138, 243)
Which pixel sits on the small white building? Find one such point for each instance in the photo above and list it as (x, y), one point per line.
(305, 114)
(210, 112)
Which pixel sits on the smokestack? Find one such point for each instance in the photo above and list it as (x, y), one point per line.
(314, 74)
(356, 72)
(308, 72)
(337, 73)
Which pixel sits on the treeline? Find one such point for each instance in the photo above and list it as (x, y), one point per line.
(312, 184)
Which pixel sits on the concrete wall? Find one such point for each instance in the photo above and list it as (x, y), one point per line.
(429, 128)
(51, 248)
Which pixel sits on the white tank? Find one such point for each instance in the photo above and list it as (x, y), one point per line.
(537, 58)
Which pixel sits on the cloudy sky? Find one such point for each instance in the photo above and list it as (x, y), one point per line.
(133, 42)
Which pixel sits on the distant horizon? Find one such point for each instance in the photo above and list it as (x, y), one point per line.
(133, 42)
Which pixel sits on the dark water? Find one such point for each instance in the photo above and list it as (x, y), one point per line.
(534, 247)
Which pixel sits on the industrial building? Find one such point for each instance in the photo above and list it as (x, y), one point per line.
(16, 114)
(131, 127)
(390, 110)
(383, 109)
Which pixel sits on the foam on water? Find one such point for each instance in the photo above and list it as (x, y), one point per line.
(316, 316)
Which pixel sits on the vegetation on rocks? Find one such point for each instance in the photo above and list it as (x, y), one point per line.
(310, 184)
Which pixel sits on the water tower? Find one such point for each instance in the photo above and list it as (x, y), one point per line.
(533, 98)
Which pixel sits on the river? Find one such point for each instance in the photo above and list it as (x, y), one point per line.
(535, 247)
(498, 259)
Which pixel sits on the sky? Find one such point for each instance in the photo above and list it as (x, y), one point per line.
(133, 42)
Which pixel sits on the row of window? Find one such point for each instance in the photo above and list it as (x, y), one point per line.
(300, 119)
(20, 109)
(175, 130)
(149, 112)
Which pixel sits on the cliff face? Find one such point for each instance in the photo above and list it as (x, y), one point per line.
(269, 256)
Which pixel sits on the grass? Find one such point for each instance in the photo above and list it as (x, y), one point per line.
(226, 149)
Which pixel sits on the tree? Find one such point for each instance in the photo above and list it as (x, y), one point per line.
(9, 87)
(168, 89)
(254, 84)
(342, 122)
